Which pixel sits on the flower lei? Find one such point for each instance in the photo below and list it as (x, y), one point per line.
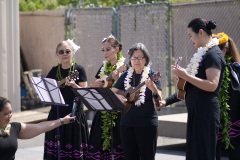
(192, 67)
(128, 79)
(224, 95)
(109, 117)
(222, 37)
(224, 106)
(5, 131)
(107, 68)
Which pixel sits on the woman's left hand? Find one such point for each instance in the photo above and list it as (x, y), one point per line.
(70, 82)
(115, 74)
(151, 85)
(179, 72)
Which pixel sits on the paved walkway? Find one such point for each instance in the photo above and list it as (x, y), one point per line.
(168, 148)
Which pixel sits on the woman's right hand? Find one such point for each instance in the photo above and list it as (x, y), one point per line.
(121, 98)
(97, 83)
(162, 103)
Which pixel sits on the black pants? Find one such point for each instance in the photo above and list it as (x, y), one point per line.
(139, 143)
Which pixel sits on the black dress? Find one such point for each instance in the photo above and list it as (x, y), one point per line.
(204, 111)
(73, 137)
(95, 145)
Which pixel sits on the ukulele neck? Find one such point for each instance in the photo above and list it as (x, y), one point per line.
(61, 82)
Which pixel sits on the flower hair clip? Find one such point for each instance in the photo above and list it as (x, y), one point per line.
(75, 47)
(110, 36)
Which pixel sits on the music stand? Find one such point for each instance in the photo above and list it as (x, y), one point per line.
(100, 99)
(49, 93)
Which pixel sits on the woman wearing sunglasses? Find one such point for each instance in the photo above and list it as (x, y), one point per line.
(74, 136)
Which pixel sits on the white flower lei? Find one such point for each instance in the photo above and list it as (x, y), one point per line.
(119, 63)
(141, 98)
(192, 67)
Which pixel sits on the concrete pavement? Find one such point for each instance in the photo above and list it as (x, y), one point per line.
(169, 148)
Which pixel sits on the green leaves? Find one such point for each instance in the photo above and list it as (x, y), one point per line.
(33, 5)
(109, 68)
(224, 106)
(108, 119)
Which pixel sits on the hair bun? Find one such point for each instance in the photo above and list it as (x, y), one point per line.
(211, 25)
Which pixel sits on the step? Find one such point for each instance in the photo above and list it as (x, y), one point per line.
(173, 125)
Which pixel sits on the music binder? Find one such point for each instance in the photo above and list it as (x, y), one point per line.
(48, 91)
(99, 99)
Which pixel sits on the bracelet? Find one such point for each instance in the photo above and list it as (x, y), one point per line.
(61, 121)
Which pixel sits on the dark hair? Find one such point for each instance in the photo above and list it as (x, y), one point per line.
(199, 23)
(113, 42)
(139, 46)
(3, 102)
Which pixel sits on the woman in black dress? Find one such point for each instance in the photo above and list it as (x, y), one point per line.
(229, 136)
(73, 137)
(203, 76)
(100, 141)
(139, 125)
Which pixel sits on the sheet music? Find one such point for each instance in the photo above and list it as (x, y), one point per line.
(46, 92)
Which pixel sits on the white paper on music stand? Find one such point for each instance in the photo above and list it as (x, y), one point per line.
(95, 103)
(45, 93)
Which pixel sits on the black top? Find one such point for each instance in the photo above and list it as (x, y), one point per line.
(9, 144)
(144, 115)
(212, 59)
(66, 91)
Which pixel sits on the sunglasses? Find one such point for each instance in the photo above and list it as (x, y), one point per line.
(61, 52)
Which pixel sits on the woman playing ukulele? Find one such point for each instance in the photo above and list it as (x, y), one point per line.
(204, 76)
(101, 138)
(139, 124)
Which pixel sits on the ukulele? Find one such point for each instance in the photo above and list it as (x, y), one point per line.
(73, 76)
(108, 80)
(180, 84)
(132, 94)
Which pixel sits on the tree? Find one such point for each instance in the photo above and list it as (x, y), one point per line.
(33, 5)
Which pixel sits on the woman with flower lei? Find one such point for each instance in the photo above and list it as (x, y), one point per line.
(139, 124)
(204, 76)
(73, 137)
(100, 140)
(229, 136)
(10, 132)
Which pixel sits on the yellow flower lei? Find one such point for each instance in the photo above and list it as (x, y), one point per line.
(6, 131)
(222, 37)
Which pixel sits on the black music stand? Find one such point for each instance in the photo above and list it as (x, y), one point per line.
(100, 99)
(49, 93)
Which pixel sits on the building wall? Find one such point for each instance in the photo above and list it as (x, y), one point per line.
(10, 52)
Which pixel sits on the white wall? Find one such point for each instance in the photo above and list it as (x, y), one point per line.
(10, 52)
